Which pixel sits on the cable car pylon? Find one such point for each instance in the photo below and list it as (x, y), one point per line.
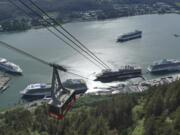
(62, 98)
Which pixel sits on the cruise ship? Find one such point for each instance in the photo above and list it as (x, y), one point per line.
(38, 90)
(129, 36)
(78, 85)
(41, 90)
(125, 72)
(164, 66)
(9, 66)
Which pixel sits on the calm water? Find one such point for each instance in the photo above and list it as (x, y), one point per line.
(156, 43)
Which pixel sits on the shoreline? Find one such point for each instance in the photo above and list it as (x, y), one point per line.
(134, 87)
(138, 87)
(81, 20)
(109, 19)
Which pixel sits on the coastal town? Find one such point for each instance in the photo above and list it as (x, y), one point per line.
(116, 10)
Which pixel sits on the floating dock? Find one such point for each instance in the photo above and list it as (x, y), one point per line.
(4, 83)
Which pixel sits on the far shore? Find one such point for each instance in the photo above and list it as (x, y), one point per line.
(80, 20)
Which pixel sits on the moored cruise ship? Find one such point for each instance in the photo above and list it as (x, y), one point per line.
(164, 66)
(78, 85)
(125, 72)
(38, 90)
(41, 90)
(9, 66)
(129, 36)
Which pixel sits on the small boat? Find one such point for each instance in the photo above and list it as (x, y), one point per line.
(176, 35)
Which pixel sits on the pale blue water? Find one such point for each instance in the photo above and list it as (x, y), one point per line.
(156, 43)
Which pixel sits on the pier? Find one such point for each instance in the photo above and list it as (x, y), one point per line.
(4, 83)
(140, 86)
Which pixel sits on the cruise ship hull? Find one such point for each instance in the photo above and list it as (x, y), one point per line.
(119, 77)
(14, 73)
(129, 38)
(165, 69)
(3, 68)
(80, 90)
(33, 97)
(36, 95)
(41, 95)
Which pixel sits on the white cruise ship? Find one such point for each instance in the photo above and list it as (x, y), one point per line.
(164, 66)
(9, 66)
(130, 36)
(38, 90)
(41, 90)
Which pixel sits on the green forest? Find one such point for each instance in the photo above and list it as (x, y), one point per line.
(152, 112)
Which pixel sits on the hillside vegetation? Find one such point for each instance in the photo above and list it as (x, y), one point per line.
(152, 112)
(64, 11)
(62, 6)
(68, 6)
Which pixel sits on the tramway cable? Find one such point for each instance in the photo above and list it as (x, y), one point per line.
(29, 55)
(68, 33)
(49, 23)
(56, 35)
(62, 68)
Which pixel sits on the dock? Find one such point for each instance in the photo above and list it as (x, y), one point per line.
(4, 83)
(143, 85)
(158, 81)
